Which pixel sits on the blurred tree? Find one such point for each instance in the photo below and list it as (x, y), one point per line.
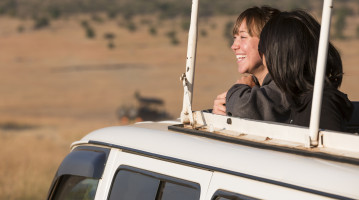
(97, 18)
(228, 31)
(90, 32)
(165, 9)
(112, 13)
(131, 26)
(152, 30)
(203, 32)
(340, 22)
(109, 36)
(20, 28)
(111, 45)
(84, 23)
(207, 9)
(172, 35)
(54, 12)
(146, 21)
(169, 10)
(185, 24)
(128, 12)
(41, 22)
(9, 7)
(175, 41)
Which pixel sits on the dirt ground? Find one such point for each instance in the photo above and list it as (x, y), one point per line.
(56, 85)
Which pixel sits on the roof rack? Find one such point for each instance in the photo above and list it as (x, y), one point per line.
(332, 142)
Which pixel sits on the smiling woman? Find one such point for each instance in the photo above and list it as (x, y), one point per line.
(256, 96)
(245, 47)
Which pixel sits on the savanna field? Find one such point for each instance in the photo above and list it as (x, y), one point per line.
(63, 80)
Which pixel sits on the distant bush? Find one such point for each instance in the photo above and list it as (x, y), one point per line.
(152, 30)
(84, 23)
(54, 12)
(357, 32)
(203, 32)
(340, 22)
(131, 26)
(146, 21)
(41, 22)
(9, 7)
(344, 9)
(185, 25)
(14, 126)
(168, 10)
(128, 14)
(20, 28)
(97, 18)
(111, 45)
(228, 32)
(207, 9)
(112, 13)
(172, 35)
(2, 10)
(175, 41)
(109, 36)
(90, 32)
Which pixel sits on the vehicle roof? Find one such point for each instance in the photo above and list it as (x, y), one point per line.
(155, 139)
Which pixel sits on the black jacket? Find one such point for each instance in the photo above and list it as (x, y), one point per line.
(264, 102)
(336, 110)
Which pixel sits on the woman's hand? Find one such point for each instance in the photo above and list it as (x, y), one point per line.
(219, 106)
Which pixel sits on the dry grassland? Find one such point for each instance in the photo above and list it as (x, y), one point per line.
(64, 85)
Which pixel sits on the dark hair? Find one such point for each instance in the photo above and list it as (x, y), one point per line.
(256, 18)
(289, 42)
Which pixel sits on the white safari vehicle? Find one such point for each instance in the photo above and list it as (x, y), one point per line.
(211, 157)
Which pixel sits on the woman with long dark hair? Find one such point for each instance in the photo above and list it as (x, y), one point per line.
(289, 47)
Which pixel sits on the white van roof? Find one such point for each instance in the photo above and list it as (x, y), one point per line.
(311, 138)
(153, 139)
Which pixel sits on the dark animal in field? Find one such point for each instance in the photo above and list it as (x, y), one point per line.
(147, 109)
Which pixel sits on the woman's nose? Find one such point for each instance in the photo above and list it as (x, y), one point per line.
(235, 45)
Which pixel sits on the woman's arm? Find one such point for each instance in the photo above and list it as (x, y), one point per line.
(260, 103)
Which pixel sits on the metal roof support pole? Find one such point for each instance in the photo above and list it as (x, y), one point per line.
(320, 73)
(188, 77)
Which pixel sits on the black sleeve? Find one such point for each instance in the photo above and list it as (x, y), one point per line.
(259, 103)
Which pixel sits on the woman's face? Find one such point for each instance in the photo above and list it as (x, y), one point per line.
(245, 48)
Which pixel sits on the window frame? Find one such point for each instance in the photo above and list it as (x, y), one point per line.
(71, 165)
(161, 177)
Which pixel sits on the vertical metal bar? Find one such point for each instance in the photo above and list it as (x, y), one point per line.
(320, 72)
(186, 114)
